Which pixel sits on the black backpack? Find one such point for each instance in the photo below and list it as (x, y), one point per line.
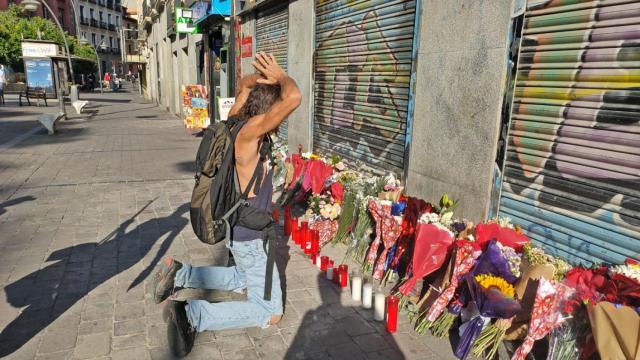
(217, 204)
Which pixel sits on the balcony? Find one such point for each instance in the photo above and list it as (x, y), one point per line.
(115, 51)
(112, 27)
(110, 4)
(118, 8)
(103, 25)
(92, 1)
(94, 23)
(84, 21)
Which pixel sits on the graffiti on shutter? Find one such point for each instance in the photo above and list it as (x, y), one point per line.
(362, 78)
(572, 171)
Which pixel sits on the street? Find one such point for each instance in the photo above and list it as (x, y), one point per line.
(87, 213)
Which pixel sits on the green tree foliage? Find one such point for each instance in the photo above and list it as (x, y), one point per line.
(16, 25)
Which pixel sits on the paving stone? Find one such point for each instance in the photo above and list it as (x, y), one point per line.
(129, 327)
(234, 342)
(129, 311)
(371, 342)
(95, 326)
(137, 353)
(122, 342)
(247, 354)
(90, 346)
(208, 351)
(58, 340)
(62, 355)
(271, 347)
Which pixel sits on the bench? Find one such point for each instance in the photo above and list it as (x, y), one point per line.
(37, 93)
(13, 88)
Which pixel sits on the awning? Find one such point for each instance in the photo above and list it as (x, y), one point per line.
(136, 59)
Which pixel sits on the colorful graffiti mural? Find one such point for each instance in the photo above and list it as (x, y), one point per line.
(572, 170)
(363, 66)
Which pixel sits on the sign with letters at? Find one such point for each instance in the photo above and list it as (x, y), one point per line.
(38, 50)
(184, 22)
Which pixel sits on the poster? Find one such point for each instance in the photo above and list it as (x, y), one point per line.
(39, 74)
(224, 106)
(247, 47)
(195, 106)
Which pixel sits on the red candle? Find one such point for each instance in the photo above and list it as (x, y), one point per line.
(392, 314)
(295, 230)
(315, 242)
(324, 261)
(343, 275)
(306, 238)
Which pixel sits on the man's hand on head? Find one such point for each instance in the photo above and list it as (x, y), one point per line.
(268, 66)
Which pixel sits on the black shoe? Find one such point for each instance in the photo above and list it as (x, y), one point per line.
(180, 333)
(163, 279)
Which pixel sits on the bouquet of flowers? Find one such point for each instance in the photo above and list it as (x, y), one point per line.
(493, 295)
(316, 174)
(466, 254)
(616, 330)
(502, 231)
(546, 314)
(392, 189)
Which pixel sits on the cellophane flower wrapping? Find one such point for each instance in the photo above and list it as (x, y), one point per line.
(316, 172)
(490, 302)
(503, 234)
(415, 208)
(466, 254)
(432, 246)
(546, 314)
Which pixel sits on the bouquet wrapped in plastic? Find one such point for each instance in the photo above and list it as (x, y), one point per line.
(616, 330)
(466, 254)
(546, 314)
(493, 295)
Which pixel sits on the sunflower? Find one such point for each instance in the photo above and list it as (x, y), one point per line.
(496, 282)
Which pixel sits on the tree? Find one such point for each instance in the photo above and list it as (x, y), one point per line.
(15, 26)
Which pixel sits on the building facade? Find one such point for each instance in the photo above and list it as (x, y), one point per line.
(524, 109)
(62, 10)
(100, 23)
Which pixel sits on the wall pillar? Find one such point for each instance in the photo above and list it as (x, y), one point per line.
(460, 76)
(300, 68)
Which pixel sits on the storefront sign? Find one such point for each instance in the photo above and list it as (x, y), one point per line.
(195, 106)
(184, 22)
(224, 106)
(33, 49)
(220, 7)
(247, 47)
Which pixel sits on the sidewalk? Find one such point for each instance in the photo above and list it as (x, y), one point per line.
(87, 213)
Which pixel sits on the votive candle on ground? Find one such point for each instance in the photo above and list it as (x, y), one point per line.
(295, 230)
(318, 261)
(367, 292)
(356, 288)
(315, 241)
(324, 261)
(305, 238)
(392, 313)
(343, 275)
(329, 272)
(378, 306)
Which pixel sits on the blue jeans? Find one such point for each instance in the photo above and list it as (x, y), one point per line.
(249, 273)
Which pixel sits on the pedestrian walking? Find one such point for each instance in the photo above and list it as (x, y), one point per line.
(107, 80)
(3, 80)
(263, 101)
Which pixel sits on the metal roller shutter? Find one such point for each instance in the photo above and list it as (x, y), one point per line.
(572, 170)
(362, 75)
(272, 28)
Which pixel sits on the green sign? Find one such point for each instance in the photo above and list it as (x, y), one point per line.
(184, 22)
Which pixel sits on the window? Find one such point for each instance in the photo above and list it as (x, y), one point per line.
(109, 18)
(93, 39)
(61, 17)
(101, 17)
(81, 11)
(118, 40)
(45, 13)
(92, 13)
(111, 41)
(117, 20)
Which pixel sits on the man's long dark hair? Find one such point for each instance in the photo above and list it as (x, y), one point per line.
(260, 99)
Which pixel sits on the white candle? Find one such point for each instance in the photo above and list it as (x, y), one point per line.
(329, 273)
(318, 261)
(367, 292)
(356, 288)
(378, 309)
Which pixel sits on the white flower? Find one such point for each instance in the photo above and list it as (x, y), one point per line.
(630, 271)
(306, 155)
(430, 218)
(340, 166)
(505, 222)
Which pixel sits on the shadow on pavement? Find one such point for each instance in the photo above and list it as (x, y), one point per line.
(326, 332)
(188, 167)
(12, 202)
(106, 100)
(49, 292)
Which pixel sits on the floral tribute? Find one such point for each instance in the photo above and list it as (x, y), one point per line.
(487, 281)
